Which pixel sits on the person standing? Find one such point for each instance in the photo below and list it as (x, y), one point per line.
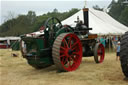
(102, 41)
(115, 40)
(118, 51)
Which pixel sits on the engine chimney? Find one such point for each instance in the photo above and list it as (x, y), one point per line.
(86, 16)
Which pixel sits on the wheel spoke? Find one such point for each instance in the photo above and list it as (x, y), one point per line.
(74, 44)
(74, 48)
(101, 58)
(69, 62)
(69, 41)
(62, 51)
(65, 60)
(65, 43)
(76, 53)
(63, 48)
(62, 55)
(73, 59)
(99, 54)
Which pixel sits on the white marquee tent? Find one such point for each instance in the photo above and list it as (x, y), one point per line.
(100, 21)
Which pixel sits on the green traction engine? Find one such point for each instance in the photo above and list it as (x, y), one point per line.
(61, 45)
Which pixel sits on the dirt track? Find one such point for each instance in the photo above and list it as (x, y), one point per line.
(16, 71)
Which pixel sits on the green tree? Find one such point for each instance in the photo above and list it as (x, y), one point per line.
(55, 10)
(118, 10)
(96, 7)
(31, 16)
(124, 16)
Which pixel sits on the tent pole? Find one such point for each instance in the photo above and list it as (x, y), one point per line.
(109, 43)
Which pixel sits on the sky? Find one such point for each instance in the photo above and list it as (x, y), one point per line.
(16, 7)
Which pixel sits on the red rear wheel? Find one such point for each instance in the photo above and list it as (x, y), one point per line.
(67, 52)
(99, 53)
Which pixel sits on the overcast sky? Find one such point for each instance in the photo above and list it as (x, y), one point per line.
(44, 6)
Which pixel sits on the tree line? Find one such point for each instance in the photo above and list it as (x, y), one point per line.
(31, 22)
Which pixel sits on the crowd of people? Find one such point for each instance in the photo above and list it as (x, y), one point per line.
(111, 42)
(106, 40)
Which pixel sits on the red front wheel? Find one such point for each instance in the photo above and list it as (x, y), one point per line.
(67, 52)
(99, 53)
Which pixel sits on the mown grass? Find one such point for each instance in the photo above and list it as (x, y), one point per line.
(16, 71)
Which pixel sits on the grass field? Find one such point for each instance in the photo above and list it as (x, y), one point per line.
(16, 71)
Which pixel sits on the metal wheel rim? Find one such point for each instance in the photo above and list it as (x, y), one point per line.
(70, 60)
(100, 53)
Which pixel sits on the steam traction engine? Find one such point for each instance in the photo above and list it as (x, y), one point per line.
(61, 45)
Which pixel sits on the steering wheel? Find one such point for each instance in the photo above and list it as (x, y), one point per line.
(51, 23)
(50, 27)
